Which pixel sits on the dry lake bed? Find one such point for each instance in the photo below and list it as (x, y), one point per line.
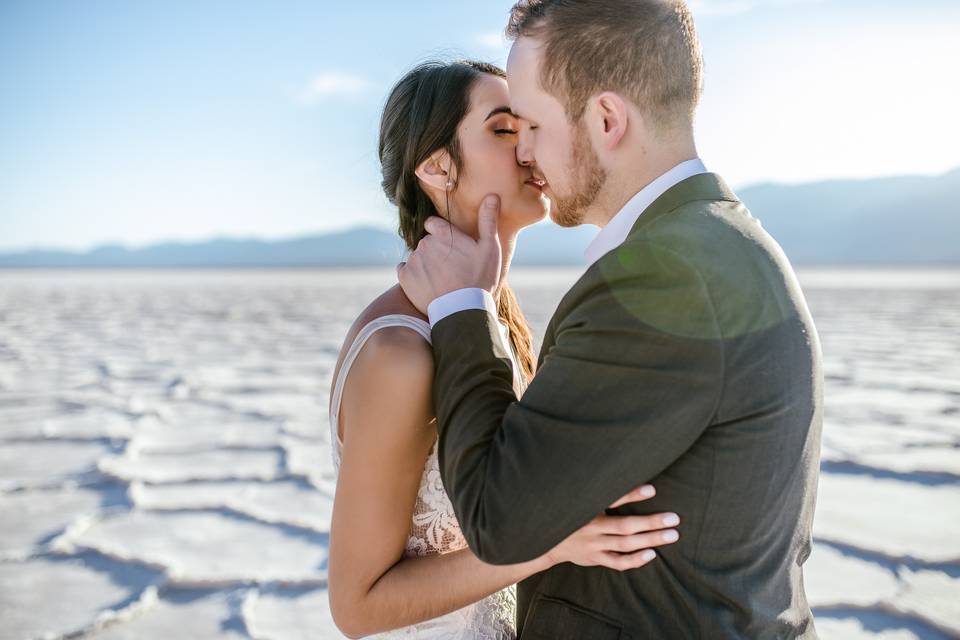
(165, 467)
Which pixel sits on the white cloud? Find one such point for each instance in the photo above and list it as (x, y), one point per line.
(328, 84)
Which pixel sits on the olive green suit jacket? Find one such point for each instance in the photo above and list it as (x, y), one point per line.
(687, 358)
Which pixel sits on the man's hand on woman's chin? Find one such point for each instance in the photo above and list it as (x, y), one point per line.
(447, 259)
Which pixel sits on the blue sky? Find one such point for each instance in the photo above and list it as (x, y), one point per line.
(137, 122)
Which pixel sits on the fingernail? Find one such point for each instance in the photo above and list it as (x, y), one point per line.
(671, 520)
(670, 536)
(647, 491)
(490, 201)
(649, 554)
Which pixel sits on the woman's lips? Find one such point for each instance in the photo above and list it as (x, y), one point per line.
(536, 183)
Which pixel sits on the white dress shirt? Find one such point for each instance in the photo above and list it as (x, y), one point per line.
(610, 237)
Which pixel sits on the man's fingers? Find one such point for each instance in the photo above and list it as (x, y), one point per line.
(643, 492)
(487, 219)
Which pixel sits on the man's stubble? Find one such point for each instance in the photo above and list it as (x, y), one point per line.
(588, 180)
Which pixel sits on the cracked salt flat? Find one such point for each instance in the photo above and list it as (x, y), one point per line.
(204, 548)
(30, 518)
(291, 405)
(202, 398)
(890, 517)
(289, 614)
(925, 459)
(211, 615)
(933, 596)
(853, 629)
(50, 597)
(48, 462)
(160, 436)
(201, 465)
(310, 459)
(835, 579)
(282, 502)
(80, 425)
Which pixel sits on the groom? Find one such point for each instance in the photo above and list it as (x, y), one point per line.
(685, 355)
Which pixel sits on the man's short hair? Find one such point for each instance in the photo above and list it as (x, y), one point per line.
(645, 50)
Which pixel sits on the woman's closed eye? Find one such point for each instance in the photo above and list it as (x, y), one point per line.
(505, 131)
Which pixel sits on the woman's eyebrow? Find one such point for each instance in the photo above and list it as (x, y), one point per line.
(499, 110)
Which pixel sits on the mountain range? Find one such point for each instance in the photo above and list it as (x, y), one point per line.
(909, 220)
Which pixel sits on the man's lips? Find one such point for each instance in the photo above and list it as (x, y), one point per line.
(539, 183)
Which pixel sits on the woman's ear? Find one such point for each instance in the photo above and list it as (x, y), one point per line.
(436, 171)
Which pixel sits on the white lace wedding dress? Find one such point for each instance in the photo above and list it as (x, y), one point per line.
(434, 527)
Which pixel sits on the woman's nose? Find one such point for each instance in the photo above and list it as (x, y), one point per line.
(523, 156)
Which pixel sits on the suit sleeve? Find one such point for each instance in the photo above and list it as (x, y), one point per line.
(631, 380)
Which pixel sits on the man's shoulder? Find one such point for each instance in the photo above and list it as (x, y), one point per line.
(711, 245)
(709, 237)
(640, 283)
(695, 228)
(708, 245)
(675, 245)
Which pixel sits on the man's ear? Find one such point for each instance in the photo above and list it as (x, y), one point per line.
(612, 118)
(436, 171)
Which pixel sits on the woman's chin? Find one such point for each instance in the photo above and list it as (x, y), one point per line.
(536, 211)
(525, 211)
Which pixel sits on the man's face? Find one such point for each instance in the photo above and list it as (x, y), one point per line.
(558, 151)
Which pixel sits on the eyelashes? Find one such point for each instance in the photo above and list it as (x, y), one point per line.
(504, 131)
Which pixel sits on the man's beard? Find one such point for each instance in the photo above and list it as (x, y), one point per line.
(588, 179)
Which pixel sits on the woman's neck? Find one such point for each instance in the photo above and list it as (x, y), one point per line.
(508, 243)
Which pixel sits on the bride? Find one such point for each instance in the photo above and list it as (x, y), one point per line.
(399, 565)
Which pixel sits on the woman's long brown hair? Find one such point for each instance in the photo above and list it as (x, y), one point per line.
(422, 115)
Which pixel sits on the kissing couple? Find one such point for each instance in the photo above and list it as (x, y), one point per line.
(652, 472)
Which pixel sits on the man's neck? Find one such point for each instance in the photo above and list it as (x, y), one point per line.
(626, 180)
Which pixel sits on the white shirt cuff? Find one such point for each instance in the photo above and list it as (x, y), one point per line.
(460, 300)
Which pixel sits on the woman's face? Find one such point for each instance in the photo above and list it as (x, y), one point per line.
(488, 154)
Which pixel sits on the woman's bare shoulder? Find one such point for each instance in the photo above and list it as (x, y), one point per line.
(392, 351)
(396, 354)
(391, 380)
(390, 302)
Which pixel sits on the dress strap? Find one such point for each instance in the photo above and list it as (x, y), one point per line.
(391, 320)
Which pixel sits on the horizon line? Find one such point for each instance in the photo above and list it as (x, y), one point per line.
(227, 236)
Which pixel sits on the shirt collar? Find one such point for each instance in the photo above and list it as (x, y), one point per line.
(616, 231)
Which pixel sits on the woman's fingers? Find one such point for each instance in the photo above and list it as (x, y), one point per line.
(643, 492)
(625, 561)
(628, 525)
(640, 541)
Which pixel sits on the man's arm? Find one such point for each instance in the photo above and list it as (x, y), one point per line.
(631, 381)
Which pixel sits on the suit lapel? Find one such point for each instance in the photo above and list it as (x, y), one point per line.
(703, 186)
